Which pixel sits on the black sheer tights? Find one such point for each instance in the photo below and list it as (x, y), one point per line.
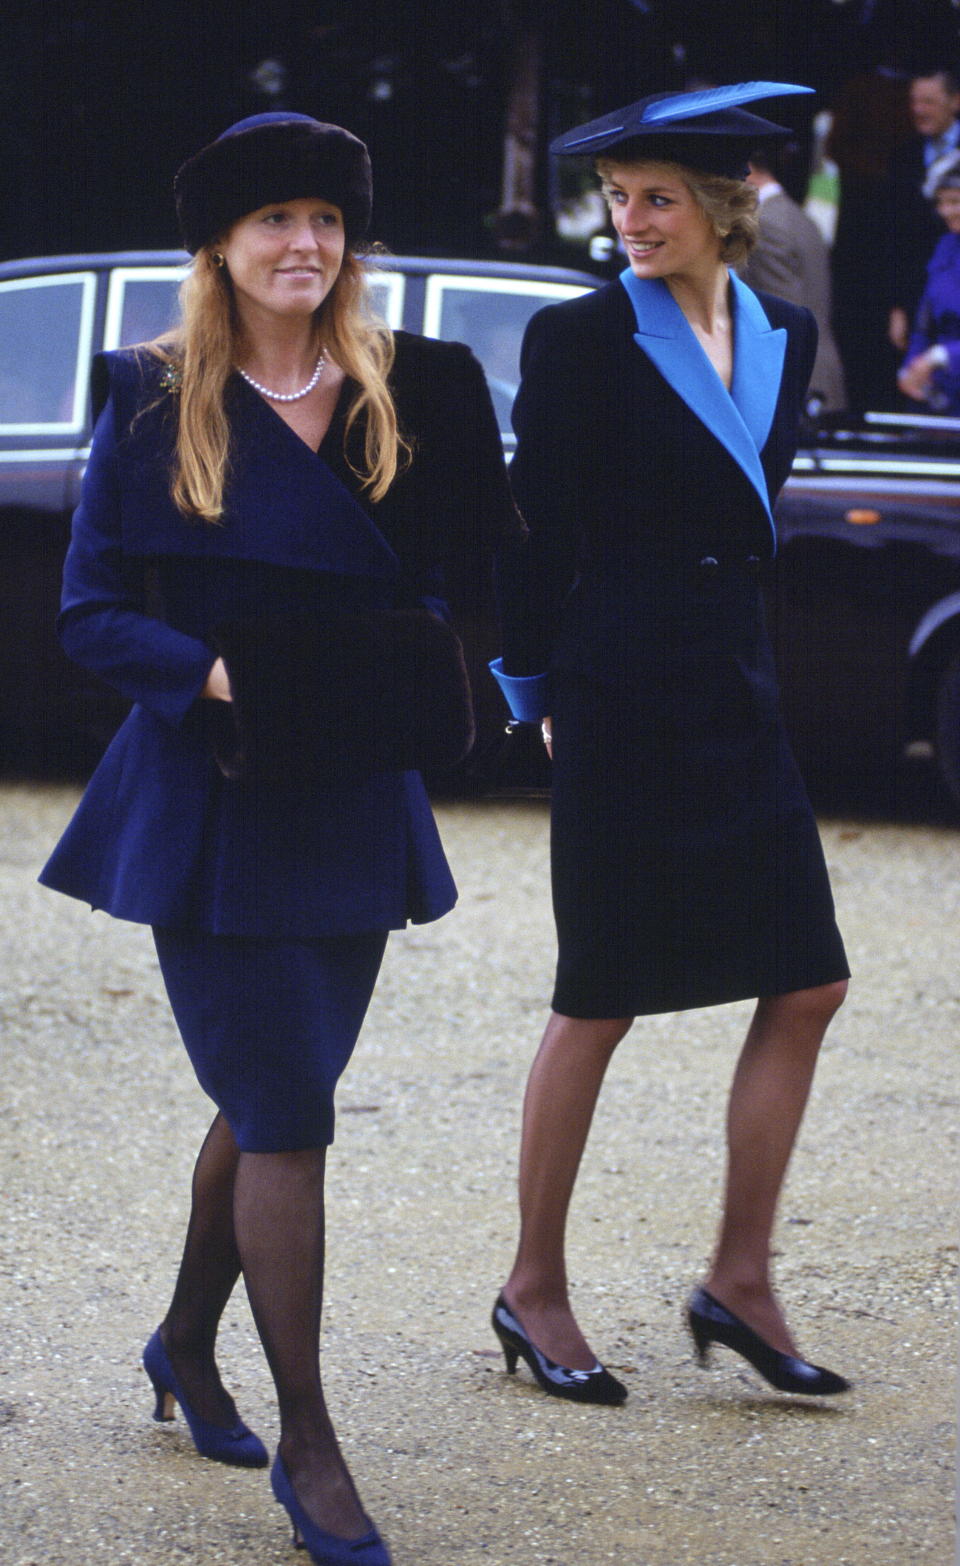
(208, 1271)
(264, 1213)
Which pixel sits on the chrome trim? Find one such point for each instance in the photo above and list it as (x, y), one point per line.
(905, 466)
(929, 489)
(48, 454)
(914, 421)
(938, 615)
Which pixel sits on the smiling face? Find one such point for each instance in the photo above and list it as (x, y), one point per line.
(284, 259)
(665, 231)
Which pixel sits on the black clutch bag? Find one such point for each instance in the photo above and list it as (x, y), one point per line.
(323, 696)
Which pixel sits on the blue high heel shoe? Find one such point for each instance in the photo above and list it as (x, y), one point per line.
(236, 1445)
(326, 1549)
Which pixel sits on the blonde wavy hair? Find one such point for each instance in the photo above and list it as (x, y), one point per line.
(203, 350)
(729, 204)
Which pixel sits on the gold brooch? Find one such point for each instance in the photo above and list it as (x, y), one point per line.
(172, 378)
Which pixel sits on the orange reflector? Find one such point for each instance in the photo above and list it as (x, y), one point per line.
(861, 518)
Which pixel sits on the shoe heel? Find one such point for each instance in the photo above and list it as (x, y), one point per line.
(702, 1339)
(165, 1402)
(510, 1351)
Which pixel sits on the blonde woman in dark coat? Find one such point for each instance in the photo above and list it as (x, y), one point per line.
(274, 499)
(656, 422)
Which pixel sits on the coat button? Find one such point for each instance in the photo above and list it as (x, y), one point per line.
(709, 563)
(751, 564)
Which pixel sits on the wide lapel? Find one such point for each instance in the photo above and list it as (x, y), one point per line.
(759, 350)
(741, 418)
(289, 506)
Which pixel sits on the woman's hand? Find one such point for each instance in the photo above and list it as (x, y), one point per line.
(898, 328)
(914, 379)
(546, 729)
(217, 687)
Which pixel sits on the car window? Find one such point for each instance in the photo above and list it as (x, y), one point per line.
(46, 332)
(141, 304)
(385, 292)
(491, 314)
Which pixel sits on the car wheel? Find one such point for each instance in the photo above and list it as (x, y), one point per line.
(948, 727)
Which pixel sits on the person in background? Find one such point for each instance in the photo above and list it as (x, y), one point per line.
(791, 260)
(656, 422)
(274, 496)
(931, 369)
(870, 121)
(912, 223)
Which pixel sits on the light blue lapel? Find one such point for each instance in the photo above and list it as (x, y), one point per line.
(759, 350)
(741, 418)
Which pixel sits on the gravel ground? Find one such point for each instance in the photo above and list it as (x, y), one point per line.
(102, 1119)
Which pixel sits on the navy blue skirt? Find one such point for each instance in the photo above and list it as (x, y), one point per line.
(270, 1025)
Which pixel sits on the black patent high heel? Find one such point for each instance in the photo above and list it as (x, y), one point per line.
(711, 1322)
(579, 1386)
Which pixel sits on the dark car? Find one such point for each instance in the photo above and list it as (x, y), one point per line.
(864, 596)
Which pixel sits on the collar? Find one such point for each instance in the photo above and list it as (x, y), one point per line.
(764, 192)
(740, 418)
(291, 502)
(935, 146)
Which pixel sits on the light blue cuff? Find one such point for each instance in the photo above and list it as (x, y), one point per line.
(528, 696)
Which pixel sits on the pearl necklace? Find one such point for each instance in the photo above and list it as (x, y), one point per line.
(286, 396)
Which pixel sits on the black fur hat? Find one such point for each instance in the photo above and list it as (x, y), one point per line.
(272, 157)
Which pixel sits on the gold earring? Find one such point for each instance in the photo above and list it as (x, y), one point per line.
(218, 259)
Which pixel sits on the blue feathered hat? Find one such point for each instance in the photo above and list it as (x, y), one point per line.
(707, 130)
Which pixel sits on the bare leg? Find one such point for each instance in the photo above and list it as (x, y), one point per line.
(208, 1271)
(280, 1232)
(561, 1095)
(769, 1093)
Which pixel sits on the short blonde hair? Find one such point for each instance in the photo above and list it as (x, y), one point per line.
(730, 205)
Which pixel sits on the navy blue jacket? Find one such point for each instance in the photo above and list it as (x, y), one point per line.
(160, 835)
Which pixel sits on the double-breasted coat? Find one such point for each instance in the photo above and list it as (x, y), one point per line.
(687, 868)
(161, 836)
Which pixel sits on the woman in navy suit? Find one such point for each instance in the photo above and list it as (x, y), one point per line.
(656, 422)
(273, 495)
